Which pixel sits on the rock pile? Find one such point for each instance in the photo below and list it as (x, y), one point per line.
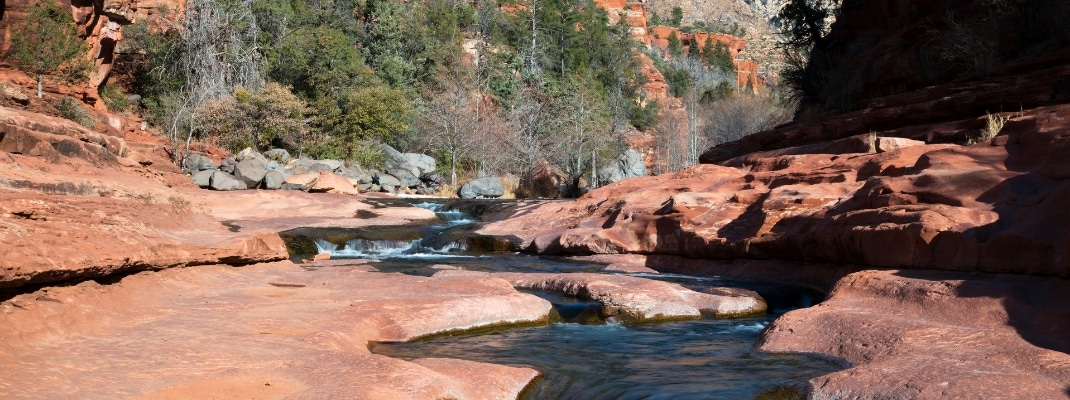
(276, 169)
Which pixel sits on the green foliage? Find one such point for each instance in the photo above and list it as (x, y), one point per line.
(114, 98)
(693, 49)
(718, 55)
(370, 113)
(73, 110)
(677, 16)
(157, 52)
(675, 48)
(47, 44)
(654, 19)
(643, 116)
(316, 61)
(268, 118)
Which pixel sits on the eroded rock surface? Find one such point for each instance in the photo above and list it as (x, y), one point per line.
(633, 298)
(265, 331)
(991, 208)
(936, 335)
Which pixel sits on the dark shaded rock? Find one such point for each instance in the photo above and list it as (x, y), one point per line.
(196, 162)
(406, 178)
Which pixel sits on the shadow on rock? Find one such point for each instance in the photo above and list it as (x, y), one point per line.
(1037, 308)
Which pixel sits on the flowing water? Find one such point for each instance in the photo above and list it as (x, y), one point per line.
(584, 357)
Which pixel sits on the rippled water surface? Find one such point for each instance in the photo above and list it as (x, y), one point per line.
(701, 359)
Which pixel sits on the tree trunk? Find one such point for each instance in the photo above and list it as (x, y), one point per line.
(453, 167)
(40, 85)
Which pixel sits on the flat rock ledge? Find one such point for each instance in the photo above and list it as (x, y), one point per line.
(636, 299)
(265, 331)
(935, 335)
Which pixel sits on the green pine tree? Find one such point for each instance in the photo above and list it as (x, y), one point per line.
(675, 48)
(677, 16)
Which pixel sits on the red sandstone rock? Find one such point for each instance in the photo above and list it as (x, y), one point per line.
(934, 335)
(635, 298)
(267, 330)
(979, 208)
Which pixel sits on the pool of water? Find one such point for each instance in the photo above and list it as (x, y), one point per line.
(704, 359)
(586, 358)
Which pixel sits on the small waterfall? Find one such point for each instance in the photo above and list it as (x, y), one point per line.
(451, 217)
(364, 248)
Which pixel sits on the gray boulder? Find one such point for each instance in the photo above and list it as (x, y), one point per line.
(406, 178)
(203, 179)
(334, 165)
(415, 163)
(224, 181)
(249, 154)
(483, 187)
(227, 165)
(387, 183)
(273, 180)
(278, 155)
(250, 171)
(628, 165)
(302, 166)
(196, 162)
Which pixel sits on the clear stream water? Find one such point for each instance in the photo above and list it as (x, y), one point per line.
(587, 359)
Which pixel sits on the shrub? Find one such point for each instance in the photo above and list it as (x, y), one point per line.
(269, 117)
(114, 98)
(73, 110)
(47, 44)
(993, 125)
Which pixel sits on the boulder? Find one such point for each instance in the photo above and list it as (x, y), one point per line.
(415, 163)
(203, 179)
(250, 171)
(299, 181)
(885, 144)
(14, 94)
(224, 181)
(273, 180)
(386, 182)
(303, 166)
(482, 187)
(406, 178)
(628, 165)
(279, 155)
(432, 179)
(334, 165)
(196, 162)
(250, 154)
(227, 165)
(327, 182)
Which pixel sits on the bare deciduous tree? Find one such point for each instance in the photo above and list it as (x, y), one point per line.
(217, 51)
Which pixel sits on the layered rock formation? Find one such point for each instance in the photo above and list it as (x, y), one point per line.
(959, 190)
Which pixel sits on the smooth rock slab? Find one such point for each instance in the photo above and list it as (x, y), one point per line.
(935, 335)
(263, 331)
(636, 299)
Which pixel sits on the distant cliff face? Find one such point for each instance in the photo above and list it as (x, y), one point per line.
(99, 23)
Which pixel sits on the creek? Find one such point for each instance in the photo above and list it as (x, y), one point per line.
(582, 356)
